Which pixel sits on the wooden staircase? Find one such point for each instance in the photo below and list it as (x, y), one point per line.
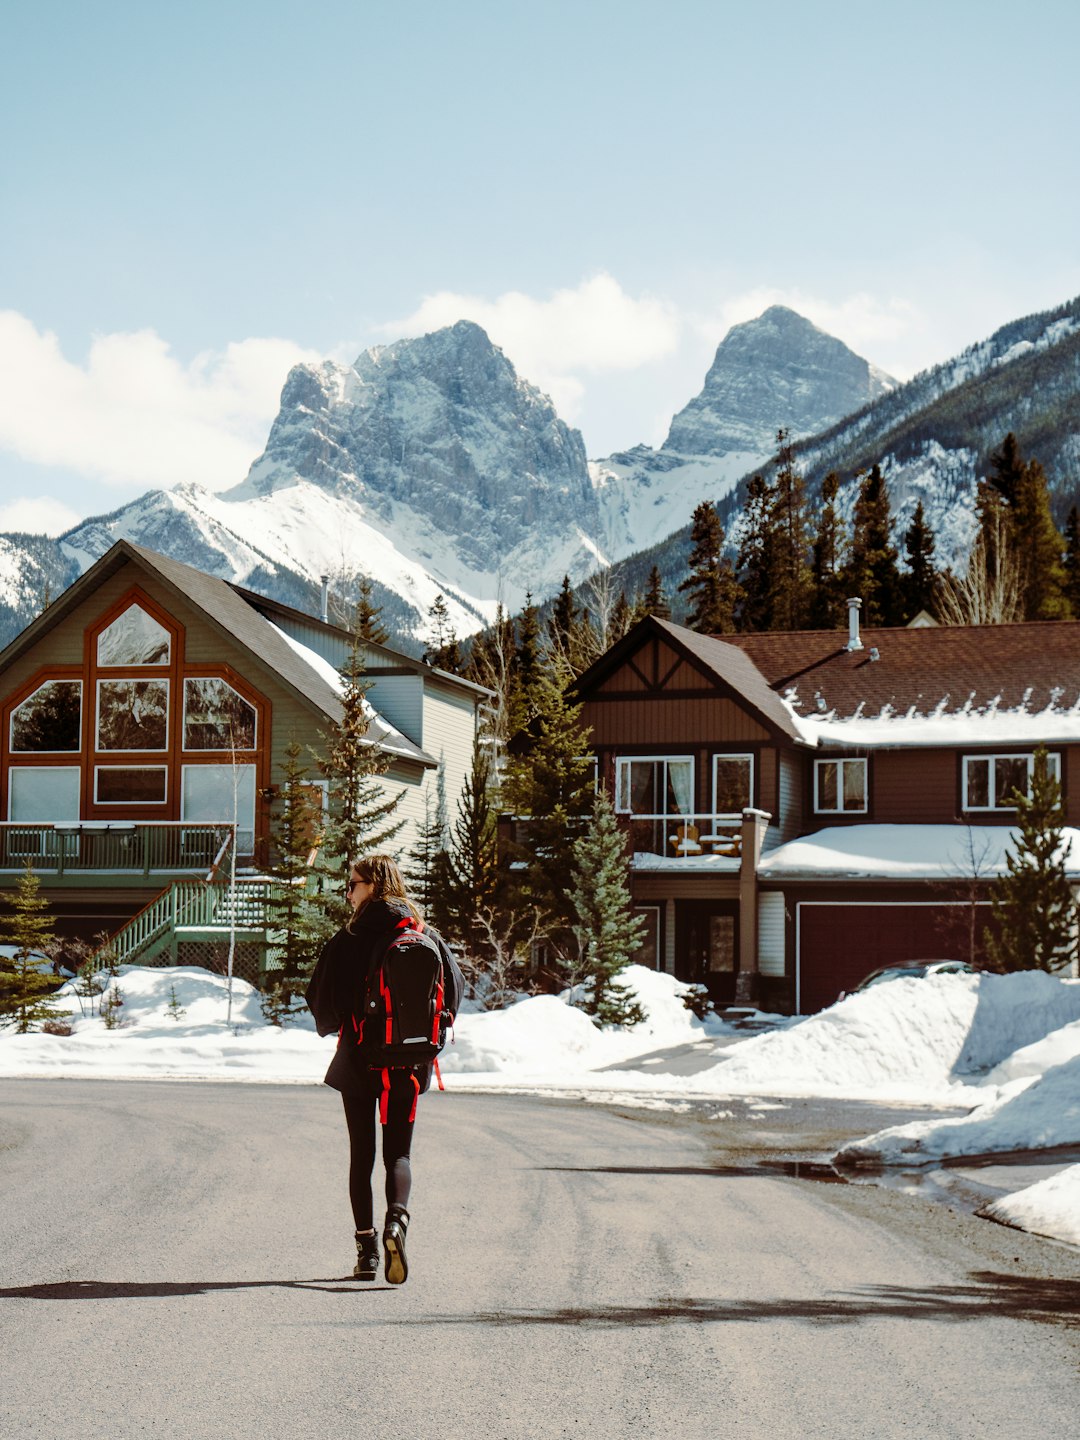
(189, 910)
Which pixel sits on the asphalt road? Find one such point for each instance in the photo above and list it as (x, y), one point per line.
(173, 1261)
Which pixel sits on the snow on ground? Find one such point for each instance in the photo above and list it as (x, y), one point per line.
(1006, 1046)
(1052, 1207)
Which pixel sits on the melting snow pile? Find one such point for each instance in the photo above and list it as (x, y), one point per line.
(1052, 1207)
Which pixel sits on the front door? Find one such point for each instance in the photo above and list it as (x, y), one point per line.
(707, 946)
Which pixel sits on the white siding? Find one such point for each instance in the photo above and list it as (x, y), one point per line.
(771, 934)
(449, 727)
(400, 699)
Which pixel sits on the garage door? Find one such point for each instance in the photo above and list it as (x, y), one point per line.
(839, 944)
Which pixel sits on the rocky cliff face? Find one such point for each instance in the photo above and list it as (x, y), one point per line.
(776, 371)
(441, 425)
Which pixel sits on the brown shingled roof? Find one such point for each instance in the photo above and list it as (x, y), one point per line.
(1035, 663)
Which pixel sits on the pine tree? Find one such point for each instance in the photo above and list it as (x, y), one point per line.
(528, 665)
(1033, 905)
(1040, 546)
(443, 650)
(790, 576)
(428, 860)
(297, 920)
(548, 785)
(757, 557)
(25, 990)
(920, 583)
(872, 571)
(474, 876)
(607, 930)
(562, 625)
(655, 600)
(367, 622)
(1071, 563)
(622, 617)
(359, 818)
(826, 577)
(710, 584)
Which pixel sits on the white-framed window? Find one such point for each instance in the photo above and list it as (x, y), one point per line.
(989, 780)
(654, 786)
(217, 717)
(130, 784)
(840, 786)
(133, 715)
(215, 793)
(134, 638)
(44, 793)
(733, 785)
(48, 720)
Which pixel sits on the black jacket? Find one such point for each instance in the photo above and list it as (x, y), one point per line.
(340, 980)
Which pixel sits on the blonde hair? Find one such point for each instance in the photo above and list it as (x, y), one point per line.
(382, 873)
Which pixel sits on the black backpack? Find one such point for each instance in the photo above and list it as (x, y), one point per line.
(405, 1016)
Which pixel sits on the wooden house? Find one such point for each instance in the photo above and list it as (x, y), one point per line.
(802, 808)
(145, 717)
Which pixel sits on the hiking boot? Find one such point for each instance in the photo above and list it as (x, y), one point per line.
(393, 1239)
(367, 1257)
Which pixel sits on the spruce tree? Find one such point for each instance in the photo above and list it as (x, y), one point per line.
(367, 622)
(757, 557)
(1033, 906)
(427, 865)
(360, 811)
(443, 650)
(474, 876)
(563, 623)
(710, 585)
(655, 600)
(26, 991)
(608, 932)
(548, 785)
(297, 921)
(789, 580)
(872, 572)
(1071, 563)
(826, 578)
(622, 617)
(1040, 547)
(528, 665)
(920, 583)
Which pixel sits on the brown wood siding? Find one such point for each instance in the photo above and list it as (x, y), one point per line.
(914, 787)
(657, 721)
(651, 668)
(652, 888)
(766, 796)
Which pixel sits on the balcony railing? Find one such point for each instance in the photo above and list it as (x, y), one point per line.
(85, 846)
(685, 837)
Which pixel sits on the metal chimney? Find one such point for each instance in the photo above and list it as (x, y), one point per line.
(854, 605)
(324, 604)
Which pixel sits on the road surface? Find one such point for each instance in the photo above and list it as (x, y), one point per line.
(174, 1255)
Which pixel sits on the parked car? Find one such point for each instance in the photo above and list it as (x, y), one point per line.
(911, 970)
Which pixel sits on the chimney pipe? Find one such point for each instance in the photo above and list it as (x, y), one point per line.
(854, 605)
(324, 605)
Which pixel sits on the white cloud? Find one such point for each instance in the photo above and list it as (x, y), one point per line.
(868, 323)
(37, 516)
(592, 329)
(133, 413)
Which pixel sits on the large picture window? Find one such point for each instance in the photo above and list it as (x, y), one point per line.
(990, 780)
(733, 784)
(48, 720)
(133, 638)
(217, 717)
(43, 792)
(217, 792)
(654, 788)
(839, 786)
(133, 715)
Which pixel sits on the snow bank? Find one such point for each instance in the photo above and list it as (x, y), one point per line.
(1052, 1207)
(912, 1039)
(1027, 1115)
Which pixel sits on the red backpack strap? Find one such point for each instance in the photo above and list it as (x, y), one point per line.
(416, 1095)
(384, 1098)
(438, 1073)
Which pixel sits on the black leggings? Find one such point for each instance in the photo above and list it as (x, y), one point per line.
(361, 1116)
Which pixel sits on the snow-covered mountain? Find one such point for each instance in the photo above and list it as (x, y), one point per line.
(776, 371)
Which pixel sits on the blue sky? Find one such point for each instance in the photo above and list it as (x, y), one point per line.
(195, 197)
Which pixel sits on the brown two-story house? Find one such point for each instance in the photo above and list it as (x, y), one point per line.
(804, 807)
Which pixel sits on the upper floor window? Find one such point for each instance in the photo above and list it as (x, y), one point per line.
(48, 720)
(839, 786)
(990, 780)
(733, 784)
(133, 714)
(217, 717)
(654, 786)
(133, 638)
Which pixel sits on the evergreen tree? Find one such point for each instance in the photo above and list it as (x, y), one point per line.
(622, 617)
(367, 622)
(298, 922)
(710, 585)
(789, 579)
(428, 862)
(474, 876)
(1071, 563)
(655, 600)
(920, 583)
(607, 930)
(562, 626)
(1040, 547)
(528, 666)
(1033, 905)
(826, 577)
(25, 989)
(872, 572)
(757, 556)
(443, 650)
(548, 786)
(360, 813)
(492, 661)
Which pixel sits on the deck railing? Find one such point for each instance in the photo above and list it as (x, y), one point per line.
(685, 837)
(133, 847)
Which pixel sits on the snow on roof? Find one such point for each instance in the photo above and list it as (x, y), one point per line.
(902, 852)
(988, 725)
(380, 730)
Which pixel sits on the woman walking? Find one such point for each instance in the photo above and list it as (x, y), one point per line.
(345, 996)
